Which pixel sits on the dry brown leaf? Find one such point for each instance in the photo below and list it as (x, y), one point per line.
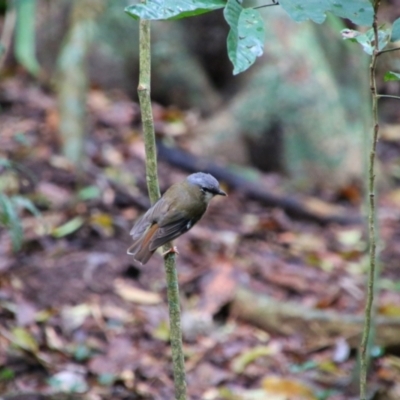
(290, 388)
(121, 356)
(135, 295)
(36, 227)
(321, 208)
(218, 287)
(25, 313)
(53, 339)
(394, 196)
(55, 194)
(390, 310)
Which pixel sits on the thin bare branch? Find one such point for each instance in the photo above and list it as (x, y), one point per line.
(387, 51)
(388, 96)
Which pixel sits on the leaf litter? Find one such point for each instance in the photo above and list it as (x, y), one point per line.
(78, 317)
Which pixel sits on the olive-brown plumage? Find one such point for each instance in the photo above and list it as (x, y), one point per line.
(181, 206)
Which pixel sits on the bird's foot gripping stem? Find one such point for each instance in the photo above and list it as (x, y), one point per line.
(173, 250)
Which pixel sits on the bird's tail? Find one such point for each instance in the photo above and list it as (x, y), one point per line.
(140, 249)
(140, 253)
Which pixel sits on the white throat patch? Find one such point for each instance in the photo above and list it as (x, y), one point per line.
(208, 196)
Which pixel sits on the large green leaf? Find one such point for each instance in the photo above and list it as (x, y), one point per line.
(172, 9)
(358, 11)
(246, 37)
(304, 10)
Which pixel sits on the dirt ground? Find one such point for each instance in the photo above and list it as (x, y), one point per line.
(79, 317)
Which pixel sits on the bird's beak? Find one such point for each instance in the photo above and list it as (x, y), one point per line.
(221, 193)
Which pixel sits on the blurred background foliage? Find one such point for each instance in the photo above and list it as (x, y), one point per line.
(304, 103)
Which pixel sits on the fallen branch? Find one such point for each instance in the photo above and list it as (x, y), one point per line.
(306, 208)
(290, 318)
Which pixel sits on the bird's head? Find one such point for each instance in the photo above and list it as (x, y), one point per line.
(207, 185)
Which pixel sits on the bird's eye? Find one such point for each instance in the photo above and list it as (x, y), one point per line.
(205, 190)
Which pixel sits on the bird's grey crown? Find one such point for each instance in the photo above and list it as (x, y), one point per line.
(204, 180)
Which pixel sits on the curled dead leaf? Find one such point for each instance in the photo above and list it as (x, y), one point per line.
(136, 295)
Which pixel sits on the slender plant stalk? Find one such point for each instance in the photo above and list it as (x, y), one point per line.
(7, 33)
(72, 77)
(178, 361)
(364, 353)
(146, 111)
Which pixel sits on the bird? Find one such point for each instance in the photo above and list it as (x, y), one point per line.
(177, 211)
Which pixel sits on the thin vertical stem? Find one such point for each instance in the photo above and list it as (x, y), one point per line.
(178, 361)
(146, 111)
(364, 356)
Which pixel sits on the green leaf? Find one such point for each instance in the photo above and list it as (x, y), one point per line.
(367, 40)
(306, 366)
(395, 31)
(362, 39)
(6, 163)
(9, 218)
(6, 374)
(358, 11)
(6, 209)
(240, 362)
(391, 76)
(161, 332)
(383, 37)
(172, 9)
(68, 228)
(302, 11)
(89, 193)
(23, 339)
(106, 379)
(23, 202)
(246, 37)
(82, 352)
(25, 46)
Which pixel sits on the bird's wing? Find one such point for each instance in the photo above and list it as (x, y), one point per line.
(140, 248)
(143, 231)
(177, 225)
(148, 219)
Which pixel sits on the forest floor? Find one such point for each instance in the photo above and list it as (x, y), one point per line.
(78, 316)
